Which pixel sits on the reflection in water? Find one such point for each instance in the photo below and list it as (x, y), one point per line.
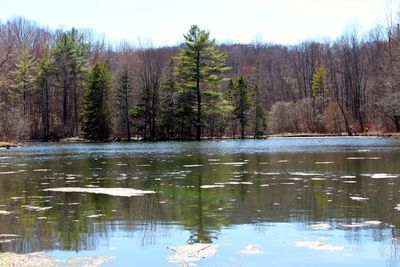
(204, 188)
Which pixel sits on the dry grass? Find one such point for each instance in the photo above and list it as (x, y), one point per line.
(8, 144)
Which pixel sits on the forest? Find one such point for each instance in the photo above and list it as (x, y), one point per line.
(56, 84)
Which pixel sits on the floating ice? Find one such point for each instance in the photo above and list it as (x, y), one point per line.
(305, 174)
(251, 250)
(39, 259)
(4, 212)
(12, 172)
(295, 179)
(324, 162)
(359, 198)
(212, 186)
(355, 158)
(239, 163)
(318, 179)
(318, 245)
(232, 183)
(8, 235)
(348, 177)
(95, 216)
(320, 226)
(193, 165)
(372, 222)
(118, 192)
(353, 225)
(383, 176)
(192, 253)
(36, 208)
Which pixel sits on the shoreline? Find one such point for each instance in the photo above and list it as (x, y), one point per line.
(8, 145)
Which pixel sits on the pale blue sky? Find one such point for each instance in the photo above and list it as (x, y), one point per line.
(164, 21)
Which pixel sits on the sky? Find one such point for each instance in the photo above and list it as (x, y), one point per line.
(163, 22)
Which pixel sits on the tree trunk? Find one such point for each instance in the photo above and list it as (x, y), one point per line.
(345, 118)
(198, 121)
(242, 128)
(397, 122)
(75, 129)
(65, 104)
(128, 127)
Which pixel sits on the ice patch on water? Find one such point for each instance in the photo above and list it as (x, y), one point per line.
(192, 165)
(12, 172)
(4, 212)
(383, 176)
(362, 224)
(359, 198)
(305, 174)
(318, 245)
(251, 250)
(192, 253)
(347, 177)
(212, 186)
(118, 192)
(36, 208)
(95, 216)
(373, 223)
(239, 163)
(320, 226)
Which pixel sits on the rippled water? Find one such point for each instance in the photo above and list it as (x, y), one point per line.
(275, 202)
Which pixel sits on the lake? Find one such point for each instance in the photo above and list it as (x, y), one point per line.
(276, 202)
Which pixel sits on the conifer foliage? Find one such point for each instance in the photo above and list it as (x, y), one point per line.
(200, 66)
(96, 118)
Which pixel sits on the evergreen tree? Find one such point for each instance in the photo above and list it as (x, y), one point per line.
(199, 66)
(319, 93)
(25, 77)
(123, 97)
(70, 68)
(43, 80)
(240, 99)
(169, 99)
(96, 121)
(319, 86)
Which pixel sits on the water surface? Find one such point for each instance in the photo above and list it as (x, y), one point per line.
(300, 201)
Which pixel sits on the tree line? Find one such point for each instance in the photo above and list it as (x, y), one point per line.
(57, 84)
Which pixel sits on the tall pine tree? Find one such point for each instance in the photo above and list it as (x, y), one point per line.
(199, 66)
(96, 122)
